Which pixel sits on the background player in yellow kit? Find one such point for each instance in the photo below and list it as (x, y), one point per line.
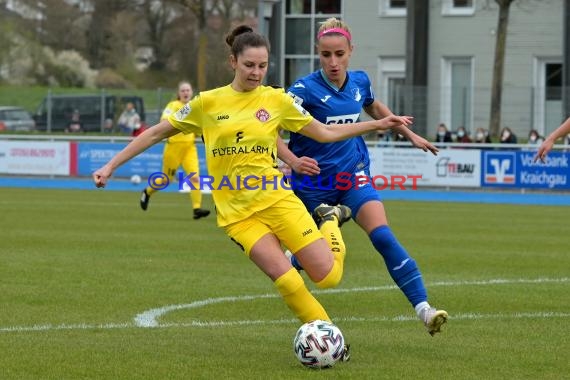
(240, 123)
(180, 150)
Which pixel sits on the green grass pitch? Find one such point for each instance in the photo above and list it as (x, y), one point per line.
(77, 268)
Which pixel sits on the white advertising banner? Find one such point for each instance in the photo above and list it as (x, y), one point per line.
(451, 167)
(34, 157)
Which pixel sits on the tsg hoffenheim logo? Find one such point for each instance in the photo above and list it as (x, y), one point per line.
(500, 168)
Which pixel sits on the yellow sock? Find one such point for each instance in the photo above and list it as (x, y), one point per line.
(332, 234)
(296, 295)
(196, 198)
(159, 181)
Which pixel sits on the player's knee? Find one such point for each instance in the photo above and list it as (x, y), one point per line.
(337, 247)
(332, 279)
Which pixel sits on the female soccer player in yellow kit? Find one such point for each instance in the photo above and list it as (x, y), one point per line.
(240, 124)
(180, 150)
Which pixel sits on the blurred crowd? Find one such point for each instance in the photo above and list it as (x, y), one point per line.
(479, 136)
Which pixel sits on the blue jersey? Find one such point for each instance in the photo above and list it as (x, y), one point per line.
(331, 105)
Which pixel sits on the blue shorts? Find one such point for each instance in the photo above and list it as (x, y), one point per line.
(348, 192)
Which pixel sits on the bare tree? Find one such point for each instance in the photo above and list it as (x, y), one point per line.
(161, 18)
(63, 26)
(499, 66)
(99, 34)
(209, 14)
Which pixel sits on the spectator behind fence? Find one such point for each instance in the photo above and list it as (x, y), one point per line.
(129, 121)
(75, 125)
(507, 136)
(463, 135)
(534, 138)
(482, 136)
(443, 134)
(108, 126)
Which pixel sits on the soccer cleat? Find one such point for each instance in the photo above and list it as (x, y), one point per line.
(324, 212)
(433, 319)
(200, 213)
(346, 353)
(145, 198)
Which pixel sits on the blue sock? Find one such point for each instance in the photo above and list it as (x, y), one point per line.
(401, 266)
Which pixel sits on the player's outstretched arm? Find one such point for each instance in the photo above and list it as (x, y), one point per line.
(143, 141)
(337, 132)
(549, 141)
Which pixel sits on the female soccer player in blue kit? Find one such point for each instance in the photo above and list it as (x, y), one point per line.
(335, 95)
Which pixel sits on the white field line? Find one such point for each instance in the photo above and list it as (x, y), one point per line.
(248, 322)
(149, 317)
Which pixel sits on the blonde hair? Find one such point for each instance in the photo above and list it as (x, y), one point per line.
(334, 23)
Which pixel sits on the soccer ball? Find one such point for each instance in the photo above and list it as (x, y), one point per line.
(136, 179)
(318, 344)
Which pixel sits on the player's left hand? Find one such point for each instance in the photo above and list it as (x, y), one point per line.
(421, 143)
(543, 150)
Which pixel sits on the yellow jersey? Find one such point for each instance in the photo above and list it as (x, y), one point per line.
(240, 131)
(170, 108)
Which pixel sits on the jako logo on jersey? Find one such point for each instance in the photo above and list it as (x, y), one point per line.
(299, 85)
(327, 97)
(342, 119)
(183, 112)
(262, 115)
(223, 117)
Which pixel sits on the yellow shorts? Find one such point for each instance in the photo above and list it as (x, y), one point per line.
(180, 154)
(287, 219)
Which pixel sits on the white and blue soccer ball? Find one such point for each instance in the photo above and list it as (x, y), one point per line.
(319, 344)
(136, 179)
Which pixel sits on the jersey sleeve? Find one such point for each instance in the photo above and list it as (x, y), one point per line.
(293, 116)
(298, 91)
(168, 110)
(369, 92)
(187, 119)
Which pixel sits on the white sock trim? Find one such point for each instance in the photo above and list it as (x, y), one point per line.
(419, 307)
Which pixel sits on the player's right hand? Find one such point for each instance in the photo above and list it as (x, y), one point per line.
(394, 121)
(306, 165)
(100, 176)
